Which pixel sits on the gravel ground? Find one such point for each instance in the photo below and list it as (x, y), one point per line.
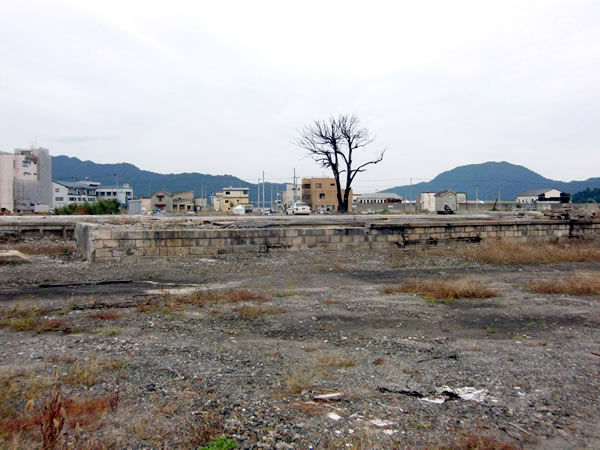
(253, 370)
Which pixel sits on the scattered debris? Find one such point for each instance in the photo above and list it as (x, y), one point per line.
(334, 416)
(84, 283)
(445, 393)
(401, 391)
(13, 257)
(381, 423)
(329, 397)
(518, 427)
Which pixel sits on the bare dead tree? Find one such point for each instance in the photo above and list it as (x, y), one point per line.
(333, 143)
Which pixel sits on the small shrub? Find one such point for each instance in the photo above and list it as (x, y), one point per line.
(379, 362)
(443, 290)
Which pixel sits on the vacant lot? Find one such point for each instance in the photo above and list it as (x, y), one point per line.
(244, 346)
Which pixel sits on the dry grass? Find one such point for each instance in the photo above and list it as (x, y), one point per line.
(23, 312)
(55, 412)
(587, 284)
(444, 290)
(37, 325)
(333, 360)
(105, 315)
(201, 298)
(332, 302)
(476, 441)
(311, 409)
(503, 252)
(256, 312)
(284, 294)
(299, 380)
(379, 362)
(89, 372)
(205, 428)
(111, 331)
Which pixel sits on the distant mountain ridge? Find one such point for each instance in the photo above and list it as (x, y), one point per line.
(144, 182)
(492, 177)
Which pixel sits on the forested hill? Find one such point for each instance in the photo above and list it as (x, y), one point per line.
(491, 177)
(144, 182)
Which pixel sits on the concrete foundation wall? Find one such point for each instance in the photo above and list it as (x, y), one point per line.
(103, 244)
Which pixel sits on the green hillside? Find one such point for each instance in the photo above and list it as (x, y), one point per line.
(588, 195)
(492, 177)
(145, 182)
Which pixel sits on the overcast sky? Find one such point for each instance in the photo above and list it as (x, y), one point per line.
(223, 87)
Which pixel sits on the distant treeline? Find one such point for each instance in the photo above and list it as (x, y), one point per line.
(587, 196)
(100, 207)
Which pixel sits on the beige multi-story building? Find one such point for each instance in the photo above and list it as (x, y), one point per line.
(183, 202)
(26, 180)
(321, 194)
(228, 198)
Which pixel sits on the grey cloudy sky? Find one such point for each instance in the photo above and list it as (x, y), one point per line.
(222, 87)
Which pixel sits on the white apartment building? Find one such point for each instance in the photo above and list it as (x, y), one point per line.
(123, 193)
(68, 192)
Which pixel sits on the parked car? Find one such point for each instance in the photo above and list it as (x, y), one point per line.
(297, 209)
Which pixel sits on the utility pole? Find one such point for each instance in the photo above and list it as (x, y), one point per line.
(258, 194)
(476, 196)
(271, 204)
(294, 185)
(263, 189)
(410, 191)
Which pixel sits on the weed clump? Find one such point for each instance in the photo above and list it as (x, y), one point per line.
(444, 290)
(504, 252)
(299, 380)
(333, 360)
(582, 285)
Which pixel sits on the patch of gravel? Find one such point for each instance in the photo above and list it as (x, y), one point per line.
(537, 355)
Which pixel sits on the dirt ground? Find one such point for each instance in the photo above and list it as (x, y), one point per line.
(248, 357)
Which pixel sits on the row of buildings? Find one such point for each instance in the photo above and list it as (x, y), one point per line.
(450, 201)
(26, 186)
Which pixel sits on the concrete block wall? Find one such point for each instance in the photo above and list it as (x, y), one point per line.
(101, 244)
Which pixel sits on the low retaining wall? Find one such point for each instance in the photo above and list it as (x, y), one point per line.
(35, 229)
(101, 244)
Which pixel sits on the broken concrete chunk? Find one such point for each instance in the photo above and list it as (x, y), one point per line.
(334, 416)
(381, 423)
(13, 257)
